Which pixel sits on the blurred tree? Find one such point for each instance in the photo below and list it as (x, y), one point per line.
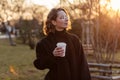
(10, 8)
(29, 31)
(77, 28)
(28, 17)
(105, 38)
(102, 30)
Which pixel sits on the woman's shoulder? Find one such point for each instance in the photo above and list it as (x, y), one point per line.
(45, 40)
(72, 35)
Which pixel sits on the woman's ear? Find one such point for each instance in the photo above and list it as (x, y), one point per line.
(53, 22)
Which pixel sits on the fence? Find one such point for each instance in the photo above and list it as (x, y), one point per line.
(105, 71)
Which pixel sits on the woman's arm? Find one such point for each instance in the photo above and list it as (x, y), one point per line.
(44, 59)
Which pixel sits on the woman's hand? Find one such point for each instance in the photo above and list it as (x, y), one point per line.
(58, 52)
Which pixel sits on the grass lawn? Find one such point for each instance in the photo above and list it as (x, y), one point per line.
(16, 63)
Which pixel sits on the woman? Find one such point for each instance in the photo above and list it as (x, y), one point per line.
(72, 66)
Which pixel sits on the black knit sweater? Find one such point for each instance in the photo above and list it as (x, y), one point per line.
(71, 67)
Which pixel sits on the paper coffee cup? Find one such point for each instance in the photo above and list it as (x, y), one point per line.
(63, 45)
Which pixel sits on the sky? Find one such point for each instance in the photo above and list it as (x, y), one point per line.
(48, 3)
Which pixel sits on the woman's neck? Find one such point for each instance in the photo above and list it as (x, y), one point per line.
(59, 29)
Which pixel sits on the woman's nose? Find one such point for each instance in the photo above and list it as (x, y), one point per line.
(66, 18)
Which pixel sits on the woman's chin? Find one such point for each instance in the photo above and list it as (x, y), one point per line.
(65, 27)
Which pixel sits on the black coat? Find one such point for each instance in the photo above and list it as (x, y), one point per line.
(71, 67)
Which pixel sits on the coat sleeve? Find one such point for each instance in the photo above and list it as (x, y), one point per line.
(43, 58)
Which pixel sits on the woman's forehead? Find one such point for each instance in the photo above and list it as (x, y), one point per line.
(61, 13)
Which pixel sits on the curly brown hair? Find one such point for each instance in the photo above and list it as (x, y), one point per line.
(48, 26)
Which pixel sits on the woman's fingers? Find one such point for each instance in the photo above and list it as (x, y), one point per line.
(58, 51)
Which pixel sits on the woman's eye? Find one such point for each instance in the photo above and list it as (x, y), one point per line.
(62, 17)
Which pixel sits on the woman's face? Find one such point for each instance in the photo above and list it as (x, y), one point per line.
(61, 21)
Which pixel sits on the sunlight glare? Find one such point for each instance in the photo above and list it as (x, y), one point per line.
(115, 4)
(48, 3)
